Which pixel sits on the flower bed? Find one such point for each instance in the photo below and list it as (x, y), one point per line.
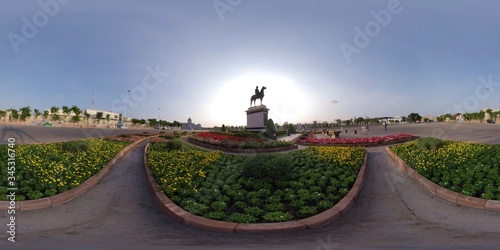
(45, 170)
(467, 168)
(366, 141)
(238, 142)
(127, 137)
(261, 189)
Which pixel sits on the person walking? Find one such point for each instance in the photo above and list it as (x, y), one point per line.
(385, 126)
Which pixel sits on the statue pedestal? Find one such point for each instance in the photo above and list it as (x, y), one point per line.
(257, 118)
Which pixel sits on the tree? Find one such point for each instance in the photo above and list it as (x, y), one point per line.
(98, 117)
(152, 122)
(107, 118)
(176, 124)
(3, 113)
(54, 112)
(87, 115)
(66, 112)
(359, 120)
(414, 117)
(291, 129)
(223, 128)
(25, 113)
(56, 117)
(338, 122)
(135, 121)
(45, 114)
(270, 129)
(77, 111)
(37, 113)
(14, 115)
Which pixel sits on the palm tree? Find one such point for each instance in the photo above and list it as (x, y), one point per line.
(87, 115)
(77, 113)
(3, 113)
(107, 118)
(54, 111)
(37, 113)
(98, 116)
(66, 112)
(14, 115)
(45, 114)
(25, 113)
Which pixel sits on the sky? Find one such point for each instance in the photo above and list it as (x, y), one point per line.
(318, 59)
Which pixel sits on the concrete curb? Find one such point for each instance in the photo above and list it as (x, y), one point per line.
(241, 151)
(321, 219)
(69, 195)
(444, 193)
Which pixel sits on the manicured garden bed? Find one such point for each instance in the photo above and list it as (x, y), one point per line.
(237, 141)
(468, 168)
(365, 141)
(45, 170)
(260, 188)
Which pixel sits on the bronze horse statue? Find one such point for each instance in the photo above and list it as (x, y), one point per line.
(260, 96)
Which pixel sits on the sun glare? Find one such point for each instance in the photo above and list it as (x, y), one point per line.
(282, 96)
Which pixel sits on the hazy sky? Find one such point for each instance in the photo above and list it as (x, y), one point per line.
(321, 59)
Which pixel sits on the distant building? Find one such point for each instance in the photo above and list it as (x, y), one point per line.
(190, 125)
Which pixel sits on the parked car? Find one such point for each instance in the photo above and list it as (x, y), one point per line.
(490, 121)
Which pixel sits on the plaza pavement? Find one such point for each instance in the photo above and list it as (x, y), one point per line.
(392, 212)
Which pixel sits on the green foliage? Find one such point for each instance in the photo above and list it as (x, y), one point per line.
(242, 218)
(223, 128)
(174, 145)
(267, 165)
(278, 216)
(468, 168)
(270, 129)
(429, 143)
(76, 146)
(125, 135)
(293, 190)
(168, 137)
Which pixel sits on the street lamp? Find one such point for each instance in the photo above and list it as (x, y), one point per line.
(159, 110)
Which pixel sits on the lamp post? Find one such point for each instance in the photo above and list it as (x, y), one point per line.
(159, 110)
(128, 104)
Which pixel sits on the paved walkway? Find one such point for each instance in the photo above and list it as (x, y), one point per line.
(120, 212)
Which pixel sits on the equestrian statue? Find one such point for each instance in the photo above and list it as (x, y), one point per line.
(258, 95)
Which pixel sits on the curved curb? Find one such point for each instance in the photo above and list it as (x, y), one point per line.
(442, 192)
(71, 194)
(241, 151)
(367, 145)
(336, 212)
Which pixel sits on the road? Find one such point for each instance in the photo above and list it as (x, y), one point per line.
(392, 212)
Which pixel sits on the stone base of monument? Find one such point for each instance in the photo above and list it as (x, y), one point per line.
(257, 118)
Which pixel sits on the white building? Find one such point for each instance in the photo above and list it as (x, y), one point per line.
(190, 125)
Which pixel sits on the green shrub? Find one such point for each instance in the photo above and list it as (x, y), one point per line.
(278, 216)
(168, 137)
(264, 166)
(126, 135)
(429, 143)
(215, 215)
(242, 218)
(174, 145)
(270, 129)
(76, 146)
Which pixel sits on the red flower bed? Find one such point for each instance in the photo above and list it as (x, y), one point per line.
(367, 140)
(220, 137)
